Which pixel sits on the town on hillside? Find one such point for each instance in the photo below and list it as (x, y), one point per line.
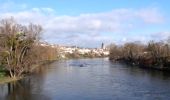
(78, 52)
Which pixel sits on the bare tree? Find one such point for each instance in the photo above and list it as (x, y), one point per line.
(115, 52)
(16, 43)
(132, 51)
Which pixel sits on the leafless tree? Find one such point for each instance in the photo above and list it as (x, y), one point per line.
(16, 43)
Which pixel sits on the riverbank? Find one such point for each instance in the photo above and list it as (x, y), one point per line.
(149, 64)
(6, 79)
(82, 56)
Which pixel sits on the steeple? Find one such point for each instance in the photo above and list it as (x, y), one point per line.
(102, 46)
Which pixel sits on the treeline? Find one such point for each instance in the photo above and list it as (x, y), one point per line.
(20, 48)
(154, 55)
(76, 55)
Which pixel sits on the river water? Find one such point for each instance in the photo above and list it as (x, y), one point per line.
(89, 79)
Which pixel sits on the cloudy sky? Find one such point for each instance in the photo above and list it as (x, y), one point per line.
(88, 23)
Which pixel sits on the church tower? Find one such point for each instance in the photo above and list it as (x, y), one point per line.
(102, 46)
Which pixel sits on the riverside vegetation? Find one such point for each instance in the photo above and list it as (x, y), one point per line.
(154, 55)
(20, 49)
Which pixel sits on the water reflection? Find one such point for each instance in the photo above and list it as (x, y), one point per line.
(141, 72)
(100, 79)
(29, 88)
(21, 90)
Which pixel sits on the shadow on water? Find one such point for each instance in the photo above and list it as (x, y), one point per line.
(138, 71)
(21, 90)
(28, 88)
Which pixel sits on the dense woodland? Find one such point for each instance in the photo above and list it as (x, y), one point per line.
(154, 55)
(20, 49)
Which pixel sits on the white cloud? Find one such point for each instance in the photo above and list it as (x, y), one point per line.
(151, 15)
(114, 21)
(161, 35)
(84, 26)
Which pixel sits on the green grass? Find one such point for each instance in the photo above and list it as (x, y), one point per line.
(4, 78)
(2, 74)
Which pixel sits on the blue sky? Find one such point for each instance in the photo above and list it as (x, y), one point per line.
(88, 23)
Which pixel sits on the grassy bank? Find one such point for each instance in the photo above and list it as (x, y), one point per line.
(6, 79)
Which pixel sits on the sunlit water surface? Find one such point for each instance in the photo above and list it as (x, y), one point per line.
(89, 79)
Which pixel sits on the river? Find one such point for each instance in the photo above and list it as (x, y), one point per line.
(89, 79)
